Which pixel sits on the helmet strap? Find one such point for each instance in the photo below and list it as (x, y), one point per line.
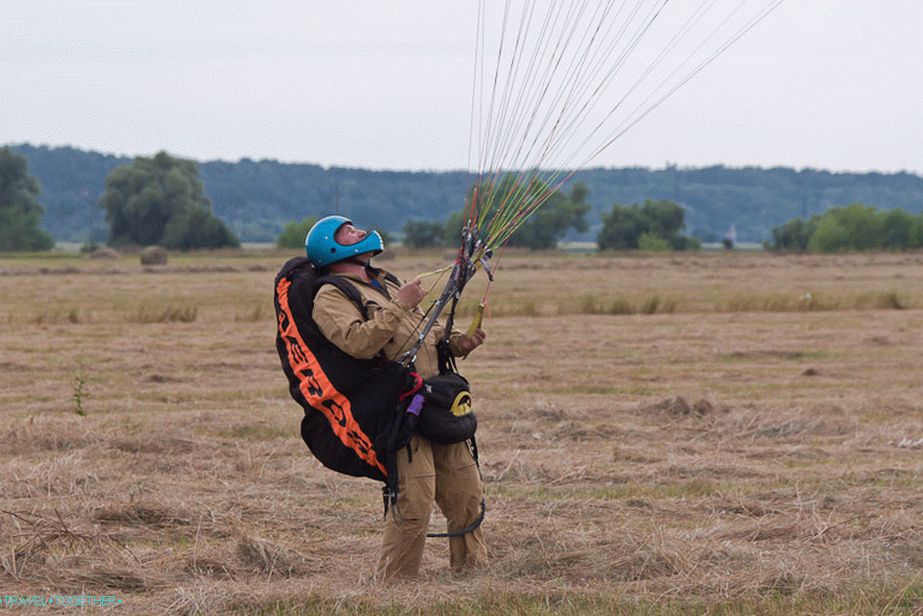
(357, 261)
(372, 271)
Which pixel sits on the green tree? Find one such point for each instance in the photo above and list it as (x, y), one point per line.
(161, 200)
(20, 211)
(899, 230)
(622, 228)
(794, 235)
(197, 228)
(295, 232)
(658, 221)
(664, 218)
(423, 233)
(852, 227)
(544, 229)
(684, 242)
(451, 232)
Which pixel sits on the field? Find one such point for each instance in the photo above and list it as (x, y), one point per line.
(720, 434)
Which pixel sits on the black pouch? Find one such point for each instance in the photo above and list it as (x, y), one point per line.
(447, 416)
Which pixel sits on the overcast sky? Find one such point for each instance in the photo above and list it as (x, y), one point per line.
(825, 84)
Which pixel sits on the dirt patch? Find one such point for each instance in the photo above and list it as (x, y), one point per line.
(678, 407)
(161, 378)
(548, 413)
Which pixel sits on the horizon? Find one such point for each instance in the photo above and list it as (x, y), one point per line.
(665, 167)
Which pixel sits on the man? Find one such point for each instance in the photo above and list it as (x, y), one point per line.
(427, 472)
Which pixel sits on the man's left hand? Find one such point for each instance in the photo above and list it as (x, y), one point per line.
(467, 343)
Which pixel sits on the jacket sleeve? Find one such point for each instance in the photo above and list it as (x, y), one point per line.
(340, 321)
(439, 330)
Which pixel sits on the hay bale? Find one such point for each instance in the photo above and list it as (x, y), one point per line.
(154, 255)
(106, 253)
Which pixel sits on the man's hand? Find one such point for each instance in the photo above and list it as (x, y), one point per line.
(412, 293)
(467, 343)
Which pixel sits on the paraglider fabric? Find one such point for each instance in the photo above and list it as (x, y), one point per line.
(349, 404)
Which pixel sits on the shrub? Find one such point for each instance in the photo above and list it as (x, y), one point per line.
(423, 234)
(295, 232)
(653, 243)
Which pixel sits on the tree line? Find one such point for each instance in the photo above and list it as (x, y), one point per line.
(653, 225)
(20, 211)
(152, 201)
(161, 200)
(257, 198)
(854, 227)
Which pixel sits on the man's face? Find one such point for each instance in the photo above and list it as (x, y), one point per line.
(347, 235)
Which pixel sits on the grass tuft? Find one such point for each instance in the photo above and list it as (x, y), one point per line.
(259, 312)
(80, 387)
(165, 314)
(891, 301)
(620, 306)
(649, 306)
(57, 316)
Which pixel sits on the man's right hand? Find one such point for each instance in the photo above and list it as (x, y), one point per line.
(412, 293)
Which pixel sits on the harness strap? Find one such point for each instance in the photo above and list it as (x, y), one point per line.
(477, 522)
(346, 288)
(351, 292)
(417, 386)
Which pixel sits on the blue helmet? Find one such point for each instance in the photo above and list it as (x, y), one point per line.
(323, 249)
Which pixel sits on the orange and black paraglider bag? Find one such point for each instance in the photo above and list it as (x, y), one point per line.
(350, 405)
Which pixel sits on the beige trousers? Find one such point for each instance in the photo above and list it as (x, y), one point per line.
(448, 475)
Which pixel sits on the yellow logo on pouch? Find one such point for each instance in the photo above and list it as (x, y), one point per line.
(462, 404)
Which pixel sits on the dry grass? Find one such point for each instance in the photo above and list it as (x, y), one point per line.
(721, 434)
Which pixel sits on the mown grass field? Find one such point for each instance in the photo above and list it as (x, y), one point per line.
(718, 434)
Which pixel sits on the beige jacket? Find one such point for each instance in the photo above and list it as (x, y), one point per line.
(392, 324)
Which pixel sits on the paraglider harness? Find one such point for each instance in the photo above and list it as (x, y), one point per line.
(360, 413)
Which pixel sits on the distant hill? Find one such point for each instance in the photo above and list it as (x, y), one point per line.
(257, 198)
